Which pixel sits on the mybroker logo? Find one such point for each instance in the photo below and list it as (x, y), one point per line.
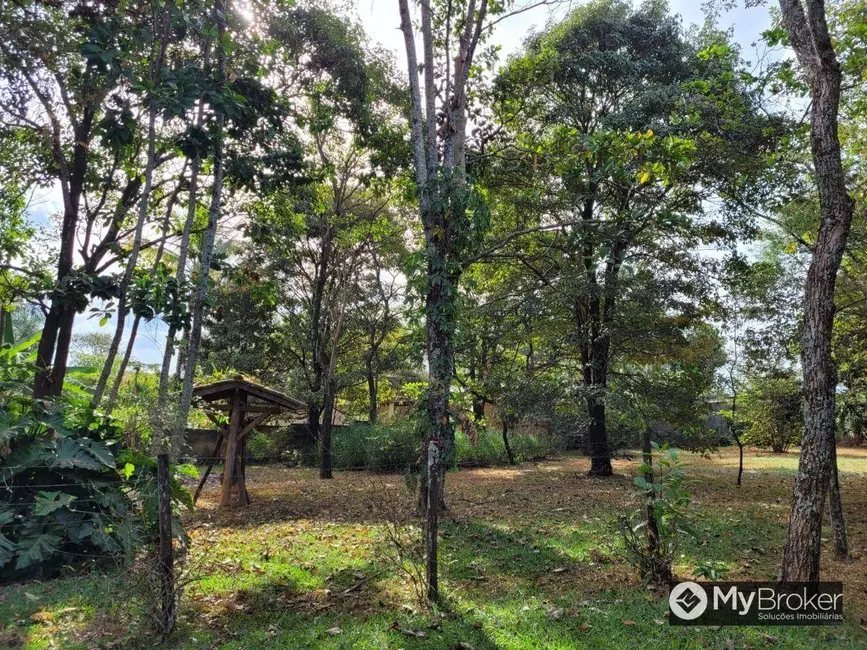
(688, 601)
(756, 603)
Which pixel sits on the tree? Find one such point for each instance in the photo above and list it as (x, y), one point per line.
(772, 412)
(451, 211)
(72, 61)
(761, 330)
(627, 127)
(379, 316)
(808, 35)
(161, 26)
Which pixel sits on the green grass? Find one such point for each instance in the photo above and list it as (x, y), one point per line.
(529, 559)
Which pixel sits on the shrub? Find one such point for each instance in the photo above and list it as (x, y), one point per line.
(773, 413)
(490, 449)
(270, 445)
(531, 446)
(375, 447)
(652, 535)
(395, 447)
(64, 497)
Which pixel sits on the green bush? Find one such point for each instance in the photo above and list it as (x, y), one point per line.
(376, 447)
(396, 446)
(67, 495)
(488, 450)
(773, 412)
(270, 445)
(491, 450)
(531, 446)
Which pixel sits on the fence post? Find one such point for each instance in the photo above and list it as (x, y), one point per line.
(430, 529)
(166, 558)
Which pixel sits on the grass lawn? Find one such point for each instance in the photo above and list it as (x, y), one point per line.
(529, 559)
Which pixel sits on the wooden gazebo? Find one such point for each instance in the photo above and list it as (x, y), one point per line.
(247, 405)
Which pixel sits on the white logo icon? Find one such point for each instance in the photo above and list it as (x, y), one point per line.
(687, 601)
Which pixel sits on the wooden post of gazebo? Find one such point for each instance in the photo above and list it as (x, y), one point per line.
(233, 461)
(238, 398)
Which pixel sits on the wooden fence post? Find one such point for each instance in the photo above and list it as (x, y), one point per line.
(430, 529)
(166, 552)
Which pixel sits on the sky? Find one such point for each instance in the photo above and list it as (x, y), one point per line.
(381, 22)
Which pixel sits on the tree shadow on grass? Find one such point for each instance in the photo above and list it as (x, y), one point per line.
(71, 612)
(357, 609)
(476, 551)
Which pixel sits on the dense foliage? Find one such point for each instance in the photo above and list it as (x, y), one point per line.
(70, 492)
(624, 233)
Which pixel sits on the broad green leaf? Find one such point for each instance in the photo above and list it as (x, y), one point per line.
(36, 549)
(7, 549)
(8, 332)
(48, 502)
(24, 345)
(71, 453)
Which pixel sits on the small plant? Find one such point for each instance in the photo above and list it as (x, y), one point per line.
(652, 535)
(402, 547)
(711, 570)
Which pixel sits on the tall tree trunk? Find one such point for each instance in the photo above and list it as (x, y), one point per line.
(737, 435)
(597, 437)
(810, 39)
(61, 351)
(436, 190)
(740, 457)
(594, 355)
(327, 460)
(509, 455)
(130, 345)
(431, 524)
(52, 354)
(439, 313)
(45, 349)
(210, 234)
(597, 433)
(161, 29)
(372, 394)
(330, 393)
(315, 335)
(838, 522)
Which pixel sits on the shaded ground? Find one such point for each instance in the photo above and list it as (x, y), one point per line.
(529, 558)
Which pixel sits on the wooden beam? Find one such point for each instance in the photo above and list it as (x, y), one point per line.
(231, 449)
(221, 426)
(243, 495)
(253, 408)
(255, 422)
(210, 467)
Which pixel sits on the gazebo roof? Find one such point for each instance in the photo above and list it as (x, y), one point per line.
(226, 388)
